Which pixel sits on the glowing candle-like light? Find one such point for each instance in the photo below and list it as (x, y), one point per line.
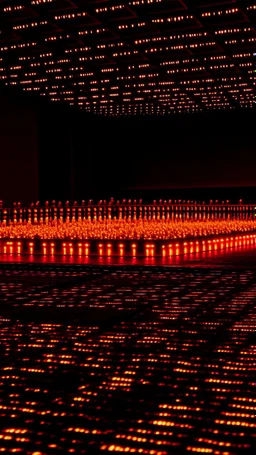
(109, 249)
(31, 247)
(19, 247)
(121, 249)
(100, 249)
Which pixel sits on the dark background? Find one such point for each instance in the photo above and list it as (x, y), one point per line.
(50, 151)
(18, 150)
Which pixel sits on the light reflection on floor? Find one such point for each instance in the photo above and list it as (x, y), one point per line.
(145, 360)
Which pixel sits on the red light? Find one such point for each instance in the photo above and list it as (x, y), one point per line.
(100, 249)
(19, 247)
(109, 249)
(121, 249)
(64, 249)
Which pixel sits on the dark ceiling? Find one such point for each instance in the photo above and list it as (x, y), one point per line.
(131, 57)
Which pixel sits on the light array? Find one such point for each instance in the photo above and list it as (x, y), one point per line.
(169, 250)
(149, 361)
(175, 210)
(128, 229)
(137, 57)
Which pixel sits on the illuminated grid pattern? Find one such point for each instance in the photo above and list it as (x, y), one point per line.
(135, 360)
(139, 56)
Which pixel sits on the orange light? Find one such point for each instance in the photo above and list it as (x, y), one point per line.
(31, 247)
(19, 247)
(44, 249)
(109, 249)
(11, 247)
(121, 249)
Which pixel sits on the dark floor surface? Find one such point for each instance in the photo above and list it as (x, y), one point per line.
(131, 359)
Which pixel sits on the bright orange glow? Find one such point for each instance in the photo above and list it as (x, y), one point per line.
(125, 228)
(52, 248)
(121, 249)
(100, 249)
(152, 226)
(109, 249)
(31, 247)
(87, 249)
(149, 249)
(64, 249)
(19, 247)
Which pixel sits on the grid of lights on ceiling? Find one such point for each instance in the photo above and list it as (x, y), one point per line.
(134, 57)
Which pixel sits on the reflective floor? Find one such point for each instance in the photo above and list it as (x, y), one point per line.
(150, 360)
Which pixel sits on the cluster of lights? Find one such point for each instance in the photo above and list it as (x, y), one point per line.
(146, 30)
(125, 229)
(125, 209)
(165, 229)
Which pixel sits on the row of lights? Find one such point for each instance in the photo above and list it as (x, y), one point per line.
(107, 249)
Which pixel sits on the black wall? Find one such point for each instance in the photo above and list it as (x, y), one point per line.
(55, 153)
(50, 151)
(115, 157)
(18, 150)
